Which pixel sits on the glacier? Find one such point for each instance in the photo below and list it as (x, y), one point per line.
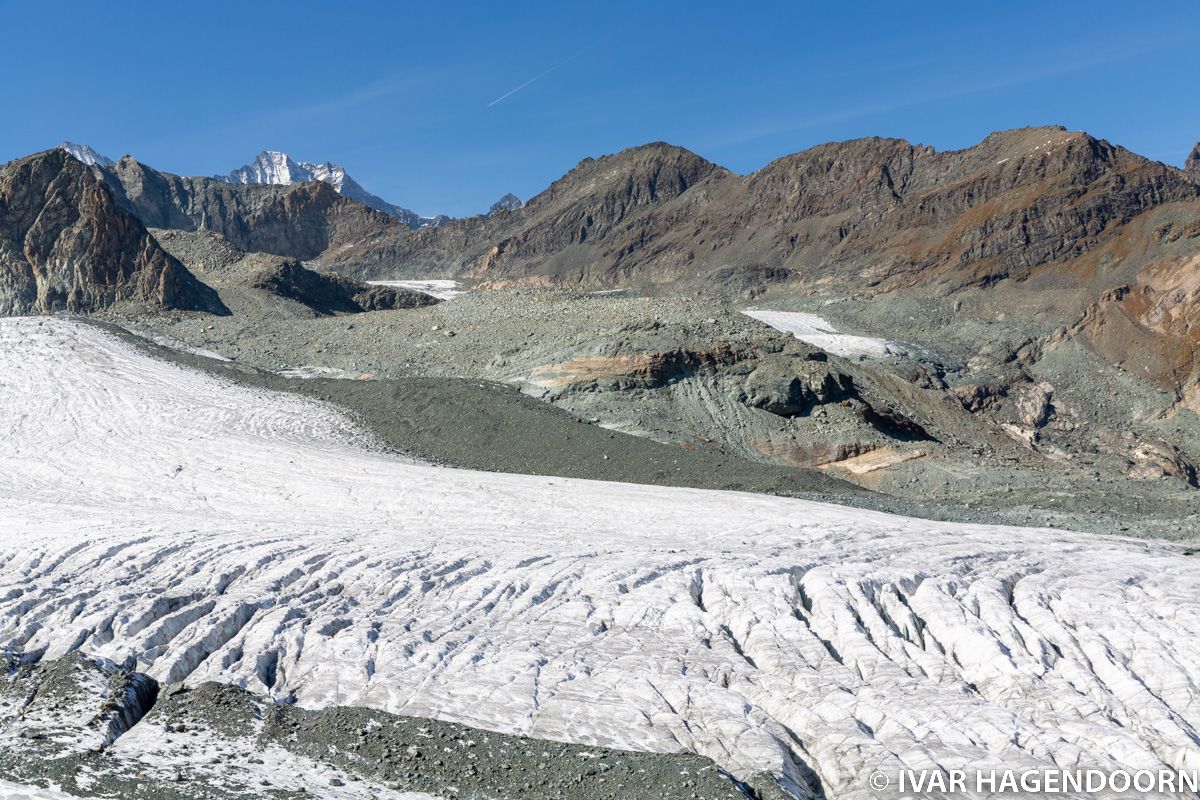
(441, 288)
(167, 520)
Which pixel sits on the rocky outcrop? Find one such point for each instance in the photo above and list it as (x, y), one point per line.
(66, 244)
(1153, 460)
(1192, 165)
(1149, 326)
(1034, 405)
(625, 366)
(330, 294)
(779, 390)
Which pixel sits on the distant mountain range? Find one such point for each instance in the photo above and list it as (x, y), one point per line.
(275, 168)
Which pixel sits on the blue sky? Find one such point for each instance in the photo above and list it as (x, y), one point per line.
(443, 107)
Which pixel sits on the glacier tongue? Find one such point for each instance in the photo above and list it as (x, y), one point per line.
(209, 531)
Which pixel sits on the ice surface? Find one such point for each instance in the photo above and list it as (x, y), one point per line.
(442, 289)
(211, 531)
(816, 331)
(17, 791)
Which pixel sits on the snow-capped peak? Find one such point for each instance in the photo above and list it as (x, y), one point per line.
(275, 167)
(86, 154)
(278, 168)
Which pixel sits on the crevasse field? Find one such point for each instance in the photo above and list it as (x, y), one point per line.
(159, 517)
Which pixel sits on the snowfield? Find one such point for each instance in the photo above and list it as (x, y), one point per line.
(814, 330)
(157, 516)
(16, 791)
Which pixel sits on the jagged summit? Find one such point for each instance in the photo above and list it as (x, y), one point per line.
(275, 167)
(1192, 165)
(86, 154)
(278, 168)
(509, 202)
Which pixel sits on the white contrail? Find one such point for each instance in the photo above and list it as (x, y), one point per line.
(534, 79)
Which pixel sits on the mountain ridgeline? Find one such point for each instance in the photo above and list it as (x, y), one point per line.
(869, 214)
(876, 212)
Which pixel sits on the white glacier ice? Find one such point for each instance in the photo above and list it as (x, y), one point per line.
(814, 330)
(157, 515)
(436, 287)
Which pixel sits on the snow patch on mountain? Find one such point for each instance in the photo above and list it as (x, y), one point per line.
(161, 517)
(86, 154)
(274, 167)
(814, 330)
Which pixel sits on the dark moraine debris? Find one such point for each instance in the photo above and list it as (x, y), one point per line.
(332, 294)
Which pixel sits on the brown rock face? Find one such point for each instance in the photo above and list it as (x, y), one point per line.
(869, 212)
(67, 245)
(567, 234)
(1151, 326)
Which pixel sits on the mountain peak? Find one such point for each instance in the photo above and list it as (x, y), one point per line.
(1192, 165)
(86, 154)
(279, 168)
(509, 202)
(272, 167)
